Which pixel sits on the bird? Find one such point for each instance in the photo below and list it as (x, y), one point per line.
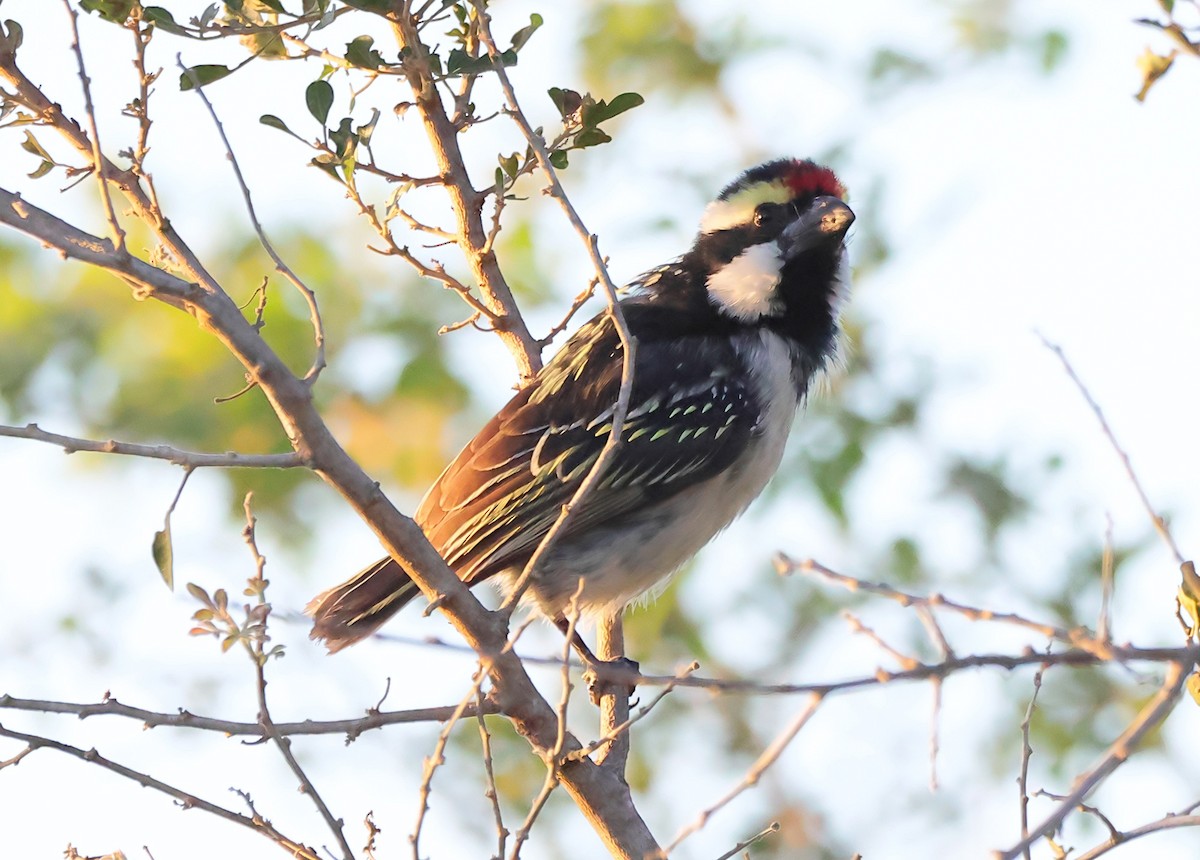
(729, 339)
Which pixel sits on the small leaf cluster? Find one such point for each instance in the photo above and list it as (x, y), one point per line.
(213, 618)
(581, 118)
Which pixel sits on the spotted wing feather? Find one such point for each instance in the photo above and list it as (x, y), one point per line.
(689, 418)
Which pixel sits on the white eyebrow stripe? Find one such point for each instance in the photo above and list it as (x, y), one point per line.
(738, 208)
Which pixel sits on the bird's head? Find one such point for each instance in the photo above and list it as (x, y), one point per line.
(771, 246)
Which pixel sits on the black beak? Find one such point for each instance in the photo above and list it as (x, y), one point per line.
(826, 220)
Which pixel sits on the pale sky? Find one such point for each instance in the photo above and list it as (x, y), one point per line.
(1015, 204)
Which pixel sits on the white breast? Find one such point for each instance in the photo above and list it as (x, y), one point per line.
(618, 569)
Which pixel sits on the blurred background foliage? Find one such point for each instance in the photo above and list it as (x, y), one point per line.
(78, 356)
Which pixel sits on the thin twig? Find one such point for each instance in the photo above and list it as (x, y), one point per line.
(773, 827)
(186, 459)
(141, 110)
(1160, 524)
(553, 760)
(628, 344)
(255, 646)
(97, 159)
(753, 775)
(489, 772)
(1154, 712)
(1026, 755)
(1166, 823)
(186, 800)
(310, 298)
(1107, 580)
(182, 719)
(1077, 636)
(15, 760)
(619, 730)
(857, 626)
(438, 758)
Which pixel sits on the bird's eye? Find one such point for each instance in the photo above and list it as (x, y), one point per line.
(769, 215)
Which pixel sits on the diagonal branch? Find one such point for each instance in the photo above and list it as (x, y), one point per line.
(187, 459)
(1121, 749)
(188, 801)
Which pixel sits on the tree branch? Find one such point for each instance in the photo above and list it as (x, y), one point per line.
(187, 459)
(188, 801)
(1148, 719)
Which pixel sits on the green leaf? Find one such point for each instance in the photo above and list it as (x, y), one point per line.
(595, 113)
(559, 159)
(367, 129)
(202, 75)
(510, 165)
(522, 36)
(116, 11)
(164, 557)
(380, 6)
(30, 144)
(590, 137)
(567, 101)
(361, 52)
(13, 38)
(164, 20)
(274, 6)
(42, 169)
(207, 16)
(319, 98)
(1152, 66)
(1054, 48)
(276, 122)
(199, 593)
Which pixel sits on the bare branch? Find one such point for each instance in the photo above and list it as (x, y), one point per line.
(773, 827)
(768, 757)
(186, 459)
(1154, 712)
(1167, 822)
(352, 728)
(628, 344)
(466, 201)
(490, 791)
(255, 647)
(438, 758)
(1026, 754)
(188, 801)
(1160, 524)
(623, 728)
(310, 298)
(1077, 636)
(96, 156)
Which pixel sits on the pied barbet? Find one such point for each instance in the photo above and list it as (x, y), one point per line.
(729, 338)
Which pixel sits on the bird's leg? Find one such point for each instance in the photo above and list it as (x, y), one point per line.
(599, 673)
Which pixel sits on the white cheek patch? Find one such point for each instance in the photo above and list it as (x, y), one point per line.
(745, 286)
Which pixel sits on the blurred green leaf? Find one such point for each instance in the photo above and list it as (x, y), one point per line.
(116, 11)
(163, 20)
(202, 75)
(361, 52)
(522, 36)
(319, 98)
(164, 555)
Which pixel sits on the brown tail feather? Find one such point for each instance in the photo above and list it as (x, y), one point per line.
(355, 609)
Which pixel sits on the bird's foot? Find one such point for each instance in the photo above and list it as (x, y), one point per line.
(604, 677)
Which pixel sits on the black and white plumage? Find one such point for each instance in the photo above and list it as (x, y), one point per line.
(729, 337)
